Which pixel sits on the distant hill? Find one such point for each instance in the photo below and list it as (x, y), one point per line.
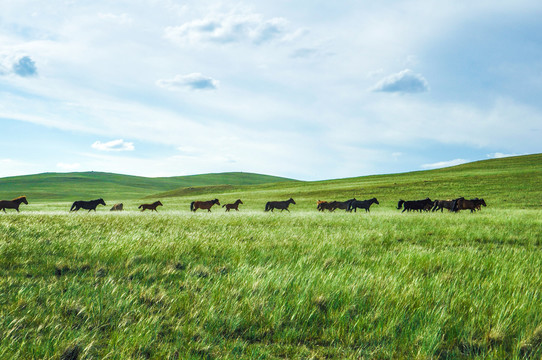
(90, 185)
(512, 182)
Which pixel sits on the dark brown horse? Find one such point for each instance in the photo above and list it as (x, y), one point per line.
(205, 205)
(442, 204)
(151, 207)
(13, 204)
(235, 205)
(464, 204)
(117, 207)
(325, 205)
(87, 205)
(363, 204)
(281, 205)
(415, 205)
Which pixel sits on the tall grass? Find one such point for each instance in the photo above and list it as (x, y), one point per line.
(271, 285)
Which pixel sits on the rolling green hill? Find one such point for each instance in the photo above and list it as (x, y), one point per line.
(86, 185)
(513, 182)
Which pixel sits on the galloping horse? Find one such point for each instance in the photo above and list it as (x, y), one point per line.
(235, 205)
(464, 204)
(281, 205)
(322, 205)
(194, 205)
(344, 205)
(442, 204)
(417, 205)
(150, 207)
(365, 204)
(117, 207)
(13, 204)
(87, 205)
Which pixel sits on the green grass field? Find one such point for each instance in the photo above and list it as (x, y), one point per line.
(298, 285)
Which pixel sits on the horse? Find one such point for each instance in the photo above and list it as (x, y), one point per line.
(87, 205)
(117, 207)
(150, 207)
(235, 205)
(364, 204)
(13, 204)
(206, 205)
(464, 204)
(281, 205)
(442, 204)
(343, 205)
(417, 205)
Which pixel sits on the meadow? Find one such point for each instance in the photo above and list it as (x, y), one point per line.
(298, 285)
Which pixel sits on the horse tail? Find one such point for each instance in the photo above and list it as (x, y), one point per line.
(223, 205)
(140, 206)
(192, 206)
(73, 206)
(267, 206)
(400, 204)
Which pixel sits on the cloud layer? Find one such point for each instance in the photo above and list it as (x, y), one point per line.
(228, 28)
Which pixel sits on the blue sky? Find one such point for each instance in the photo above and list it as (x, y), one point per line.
(306, 89)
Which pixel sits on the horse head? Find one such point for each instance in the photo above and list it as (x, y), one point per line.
(159, 203)
(215, 201)
(376, 201)
(291, 201)
(101, 201)
(238, 201)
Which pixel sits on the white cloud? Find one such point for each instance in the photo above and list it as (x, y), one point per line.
(68, 167)
(194, 81)
(230, 28)
(113, 145)
(405, 81)
(20, 65)
(499, 155)
(442, 164)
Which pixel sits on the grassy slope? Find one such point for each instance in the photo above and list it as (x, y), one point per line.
(90, 185)
(513, 182)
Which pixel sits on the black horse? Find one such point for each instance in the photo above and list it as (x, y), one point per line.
(344, 205)
(464, 204)
(442, 204)
(87, 205)
(415, 205)
(281, 205)
(362, 204)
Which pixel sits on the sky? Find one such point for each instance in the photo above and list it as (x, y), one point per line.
(306, 89)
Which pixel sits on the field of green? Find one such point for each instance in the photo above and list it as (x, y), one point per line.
(298, 285)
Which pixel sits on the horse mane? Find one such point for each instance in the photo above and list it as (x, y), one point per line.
(20, 197)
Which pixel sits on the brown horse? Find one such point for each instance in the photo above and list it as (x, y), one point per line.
(13, 204)
(117, 207)
(235, 205)
(325, 205)
(205, 205)
(464, 204)
(150, 207)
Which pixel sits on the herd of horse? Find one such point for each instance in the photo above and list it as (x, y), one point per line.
(454, 205)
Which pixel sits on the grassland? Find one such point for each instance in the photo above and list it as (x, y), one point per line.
(299, 285)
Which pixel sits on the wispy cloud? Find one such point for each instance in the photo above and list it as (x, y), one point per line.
(230, 28)
(442, 164)
(194, 81)
(405, 81)
(121, 19)
(499, 155)
(113, 145)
